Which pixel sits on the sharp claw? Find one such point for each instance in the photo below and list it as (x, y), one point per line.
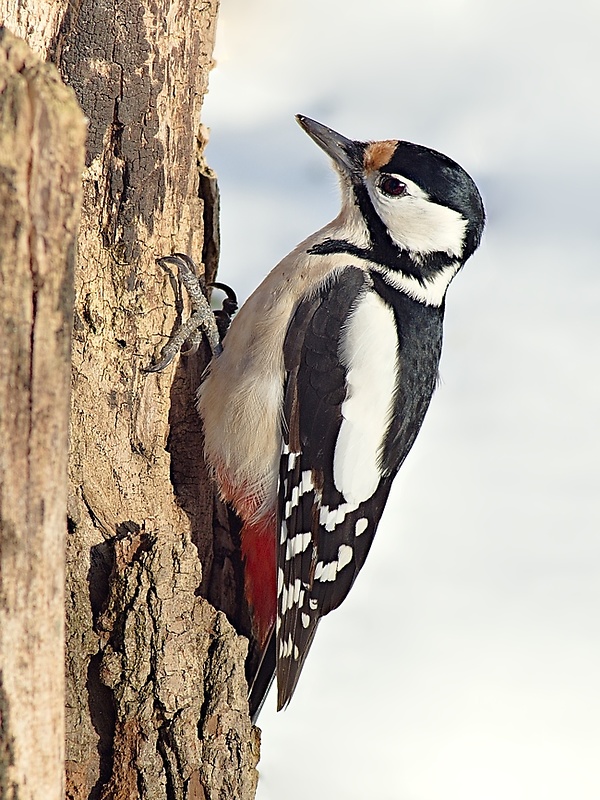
(228, 308)
(162, 364)
(177, 259)
(202, 318)
(231, 295)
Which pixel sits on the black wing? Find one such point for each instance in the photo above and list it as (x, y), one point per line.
(324, 540)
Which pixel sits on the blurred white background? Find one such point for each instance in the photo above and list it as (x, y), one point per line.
(465, 664)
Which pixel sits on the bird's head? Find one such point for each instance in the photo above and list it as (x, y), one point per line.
(412, 199)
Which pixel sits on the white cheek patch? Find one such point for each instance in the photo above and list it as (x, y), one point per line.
(416, 223)
(369, 351)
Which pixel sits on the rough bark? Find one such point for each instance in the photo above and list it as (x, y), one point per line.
(156, 701)
(42, 134)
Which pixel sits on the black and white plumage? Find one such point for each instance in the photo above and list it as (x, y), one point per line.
(325, 378)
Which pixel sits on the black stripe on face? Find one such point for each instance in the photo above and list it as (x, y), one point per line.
(382, 248)
(381, 241)
(397, 260)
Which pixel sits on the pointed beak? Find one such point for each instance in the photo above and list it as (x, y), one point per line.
(345, 153)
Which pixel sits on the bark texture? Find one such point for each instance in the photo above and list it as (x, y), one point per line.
(156, 698)
(42, 134)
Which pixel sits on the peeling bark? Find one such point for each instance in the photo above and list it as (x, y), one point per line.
(156, 697)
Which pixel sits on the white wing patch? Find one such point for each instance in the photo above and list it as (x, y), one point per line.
(369, 351)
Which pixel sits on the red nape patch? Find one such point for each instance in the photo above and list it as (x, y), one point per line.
(259, 540)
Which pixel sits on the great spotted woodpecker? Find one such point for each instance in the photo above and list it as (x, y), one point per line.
(324, 380)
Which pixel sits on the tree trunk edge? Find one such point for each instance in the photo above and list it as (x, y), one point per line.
(42, 136)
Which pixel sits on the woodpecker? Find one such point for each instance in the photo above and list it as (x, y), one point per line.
(323, 382)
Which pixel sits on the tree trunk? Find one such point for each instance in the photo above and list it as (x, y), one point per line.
(156, 696)
(42, 134)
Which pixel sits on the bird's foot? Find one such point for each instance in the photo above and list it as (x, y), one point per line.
(202, 319)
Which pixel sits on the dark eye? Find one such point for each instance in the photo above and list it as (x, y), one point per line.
(392, 186)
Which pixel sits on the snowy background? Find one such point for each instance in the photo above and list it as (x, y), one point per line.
(465, 664)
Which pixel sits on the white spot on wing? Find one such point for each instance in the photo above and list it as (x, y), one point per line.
(296, 593)
(340, 514)
(293, 593)
(326, 572)
(305, 620)
(286, 648)
(323, 513)
(330, 519)
(369, 352)
(345, 553)
(307, 483)
(361, 526)
(297, 544)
